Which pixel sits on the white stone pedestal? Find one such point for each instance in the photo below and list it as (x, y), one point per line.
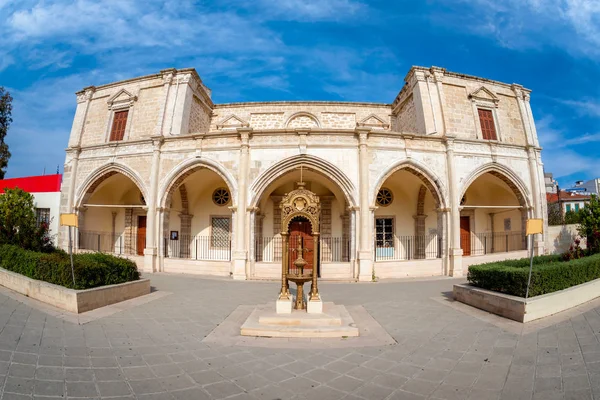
(283, 306)
(314, 307)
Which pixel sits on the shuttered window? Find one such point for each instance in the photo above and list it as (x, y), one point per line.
(118, 127)
(488, 129)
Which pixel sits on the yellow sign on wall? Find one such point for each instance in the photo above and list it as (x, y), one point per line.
(68, 219)
(534, 226)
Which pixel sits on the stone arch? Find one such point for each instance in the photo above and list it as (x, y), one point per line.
(302, 118)
(431, 182)
(178, 174)
(508, 176)
(317, 164)
(94, 179)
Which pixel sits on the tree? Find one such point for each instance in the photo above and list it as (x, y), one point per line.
(5, 120)
(589, 226)
(18, 222)
(555, 217)
(573, 217)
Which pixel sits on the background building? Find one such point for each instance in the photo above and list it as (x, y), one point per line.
(551, 183)
(569, 201)
(442, 177)
(46, 193)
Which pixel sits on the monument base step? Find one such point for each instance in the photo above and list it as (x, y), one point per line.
(334, 322)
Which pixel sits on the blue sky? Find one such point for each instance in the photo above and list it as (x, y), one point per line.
(346, 50)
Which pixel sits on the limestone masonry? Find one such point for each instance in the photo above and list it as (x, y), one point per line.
(441, 178)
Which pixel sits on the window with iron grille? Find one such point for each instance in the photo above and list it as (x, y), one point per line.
(118, 127)
(488, 128)
(220, 228)
(42, 215)
(384, 232)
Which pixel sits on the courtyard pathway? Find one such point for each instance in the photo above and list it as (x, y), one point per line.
(155, 350)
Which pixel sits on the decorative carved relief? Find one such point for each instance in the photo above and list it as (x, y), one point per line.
(373, 121)
(484, 95)
(300, 203)
(231, 122)
(122, 99)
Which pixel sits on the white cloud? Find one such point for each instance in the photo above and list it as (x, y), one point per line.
(571, 25)
(589, 107)
(312, 10)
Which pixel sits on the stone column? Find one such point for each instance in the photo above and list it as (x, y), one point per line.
(365, 254)
(353, 239)
(150, 251)
(128, 232)
(455, 249)
(535, 190)
(185, 238)
(240, 254)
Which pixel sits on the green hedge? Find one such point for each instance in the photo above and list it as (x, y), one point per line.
(91, 269)
(549, 274)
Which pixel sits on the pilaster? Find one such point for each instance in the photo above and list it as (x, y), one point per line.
(150, 251)
(240, 254)
(365, 254)
(455, 254)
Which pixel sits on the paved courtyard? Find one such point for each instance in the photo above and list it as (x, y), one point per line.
(156, 350)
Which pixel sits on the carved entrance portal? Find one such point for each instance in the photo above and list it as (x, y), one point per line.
(300, 213)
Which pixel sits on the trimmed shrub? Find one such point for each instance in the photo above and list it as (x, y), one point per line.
(549, 274)
(91, 270)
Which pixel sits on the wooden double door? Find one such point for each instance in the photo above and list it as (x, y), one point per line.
(141, 235)
(465, 235)
(301, 237)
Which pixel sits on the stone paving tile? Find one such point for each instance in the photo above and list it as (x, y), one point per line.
(155, 350)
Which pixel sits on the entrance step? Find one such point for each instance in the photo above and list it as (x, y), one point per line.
(334, 322)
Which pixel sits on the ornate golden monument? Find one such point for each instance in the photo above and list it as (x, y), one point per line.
(298, 208)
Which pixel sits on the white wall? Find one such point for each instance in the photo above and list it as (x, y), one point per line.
(50, 200)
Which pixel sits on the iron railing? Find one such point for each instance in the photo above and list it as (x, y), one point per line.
(107, 242)
(398, 248)
(331, 249)
(208, 248)
(478, 244)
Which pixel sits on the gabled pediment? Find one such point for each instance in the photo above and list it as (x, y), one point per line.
(484, 94)
(373, 121)
(231, 122)
(121, 99)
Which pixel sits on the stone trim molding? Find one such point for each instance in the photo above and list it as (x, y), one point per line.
(95, 178)
(325, 168)
(429, 179)
(184, 169)
(302, 114)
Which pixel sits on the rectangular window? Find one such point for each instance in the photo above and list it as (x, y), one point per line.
(576, 207)
(42, 215)
(486, 119)
(384, 232)
(118, 127)
(568, 207)
(220, 228)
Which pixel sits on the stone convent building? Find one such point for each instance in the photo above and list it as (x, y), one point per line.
(443, 177)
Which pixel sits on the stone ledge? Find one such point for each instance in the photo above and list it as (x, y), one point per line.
(517, 309)
(75, 301)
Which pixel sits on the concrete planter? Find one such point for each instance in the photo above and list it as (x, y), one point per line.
(517, 309)
(76, 301)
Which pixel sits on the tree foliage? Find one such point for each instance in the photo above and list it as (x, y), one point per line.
(18, 222)
(555, 217)
(589, 225)
(5, 120)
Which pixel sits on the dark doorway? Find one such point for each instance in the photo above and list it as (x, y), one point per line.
(465, 235)
(141, 235)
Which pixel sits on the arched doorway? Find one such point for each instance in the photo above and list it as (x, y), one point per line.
(197, 222)
(335, 244)
(409, 224)
(301, 242)
(493, 212)
(112, 215)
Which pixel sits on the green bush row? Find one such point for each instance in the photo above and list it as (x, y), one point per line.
(549, 274)
(91, 269)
